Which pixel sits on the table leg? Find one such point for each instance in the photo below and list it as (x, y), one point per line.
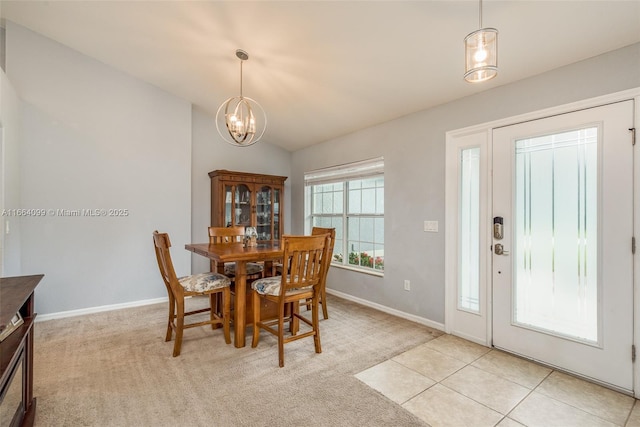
(240, 310)
(268, 268)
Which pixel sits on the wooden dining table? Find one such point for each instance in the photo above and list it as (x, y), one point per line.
(241, 255)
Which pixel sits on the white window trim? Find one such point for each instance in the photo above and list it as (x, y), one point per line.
(355, 170)
(340, 173)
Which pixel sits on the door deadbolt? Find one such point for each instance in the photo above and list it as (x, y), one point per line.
(498, 228)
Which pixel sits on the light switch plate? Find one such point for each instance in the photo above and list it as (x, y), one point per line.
(431, 226)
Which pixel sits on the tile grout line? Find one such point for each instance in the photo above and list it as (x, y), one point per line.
(626, 421)
(454, 372)
(467, 364)
(573, 406)
(519, 402)
(431, 379)
(524, 398)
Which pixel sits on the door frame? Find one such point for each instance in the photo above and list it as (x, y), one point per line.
(3, 221)
(457, 139)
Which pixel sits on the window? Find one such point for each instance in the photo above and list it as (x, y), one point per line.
(350, 198)
(469, 231)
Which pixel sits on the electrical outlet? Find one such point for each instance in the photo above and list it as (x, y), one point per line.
(431, 226)
(407, 285)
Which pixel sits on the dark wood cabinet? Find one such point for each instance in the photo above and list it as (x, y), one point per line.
(17, 403)
(248, 199)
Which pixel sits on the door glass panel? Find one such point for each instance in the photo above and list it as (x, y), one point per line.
(556, 234)
(469, 232)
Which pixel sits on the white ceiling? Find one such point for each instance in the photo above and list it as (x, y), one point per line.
(322, 69)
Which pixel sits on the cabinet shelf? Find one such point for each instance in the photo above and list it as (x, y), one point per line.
(9, 347)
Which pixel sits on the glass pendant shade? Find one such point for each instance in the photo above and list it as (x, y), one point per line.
(240, 120)
(481, 55)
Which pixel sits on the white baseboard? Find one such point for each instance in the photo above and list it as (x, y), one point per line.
(82, 311)
(385, 309)
(402, 314)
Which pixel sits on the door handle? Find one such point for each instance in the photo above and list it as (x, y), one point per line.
(499, 249)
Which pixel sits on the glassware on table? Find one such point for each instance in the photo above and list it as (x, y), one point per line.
(251, 235)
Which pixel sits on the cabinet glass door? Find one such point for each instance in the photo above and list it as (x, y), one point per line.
(276, 214)
(242, 206)
(264, 221)
(228, 206)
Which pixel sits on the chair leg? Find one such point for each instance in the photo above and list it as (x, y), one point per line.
(255, 302)
(213, 305)
(179, 328)
(172, 310)
(316, 323)
(226, 314)
(323, 301)
(294, 325)
(281, 334)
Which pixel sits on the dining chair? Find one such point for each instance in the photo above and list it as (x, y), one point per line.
(229, 235)
(305, 256)
(317, 231)
(178, 288)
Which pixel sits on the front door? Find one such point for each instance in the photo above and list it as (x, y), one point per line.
(562, 266)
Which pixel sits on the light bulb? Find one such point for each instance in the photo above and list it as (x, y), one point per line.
(480, 55)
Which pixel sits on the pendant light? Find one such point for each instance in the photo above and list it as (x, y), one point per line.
(481, 53)
(240, 120)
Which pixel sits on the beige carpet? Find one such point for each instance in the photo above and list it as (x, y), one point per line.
(114, 369)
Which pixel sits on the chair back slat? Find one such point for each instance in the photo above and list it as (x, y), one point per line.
(316, 231)
(225, 235)
(304, 255)
(163, 256)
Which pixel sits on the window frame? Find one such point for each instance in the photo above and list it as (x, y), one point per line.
(344, 175)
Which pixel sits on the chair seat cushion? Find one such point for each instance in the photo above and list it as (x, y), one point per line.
(252, 268)
(204, 282)
(271, 286)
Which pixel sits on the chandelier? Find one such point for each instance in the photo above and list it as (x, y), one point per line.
(481, 53)
(240, 120)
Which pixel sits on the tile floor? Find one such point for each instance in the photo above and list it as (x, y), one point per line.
(453, 382)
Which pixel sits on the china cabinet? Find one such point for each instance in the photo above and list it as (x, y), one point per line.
(249, 200)
(17, 403)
